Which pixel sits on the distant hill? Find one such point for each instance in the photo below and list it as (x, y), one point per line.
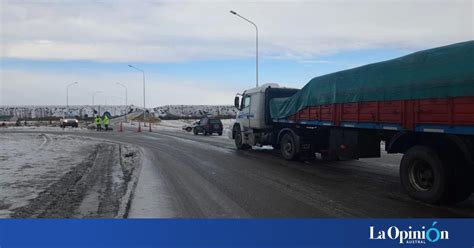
(45, 112)
(194, 111)
(163, 112)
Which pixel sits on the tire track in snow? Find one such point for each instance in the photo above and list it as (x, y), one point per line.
(46, 141)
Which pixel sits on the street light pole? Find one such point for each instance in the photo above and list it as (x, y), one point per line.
(256, 42)
(93, 95)
(67, 96)
(126, 99)
(144, 107)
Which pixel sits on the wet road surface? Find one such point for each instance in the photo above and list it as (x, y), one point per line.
(205, 176)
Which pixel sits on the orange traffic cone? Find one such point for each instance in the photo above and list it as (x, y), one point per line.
(120, 128)
(149, 124)
(139, 126)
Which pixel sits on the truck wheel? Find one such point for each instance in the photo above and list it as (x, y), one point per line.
(288, 147)
(459, 175)
(461, 185)
(195, 131)
(423, 175)
(434, 179)
(238, 140)
(220, 133)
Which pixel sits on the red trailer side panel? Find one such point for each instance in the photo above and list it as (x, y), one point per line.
(407, 113)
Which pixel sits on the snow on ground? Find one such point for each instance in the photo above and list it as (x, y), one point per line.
(168, 125)
(29, 163)
(63, 176)
(176, 125)
(44, 129)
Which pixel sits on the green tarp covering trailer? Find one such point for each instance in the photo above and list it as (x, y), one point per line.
(441, 72)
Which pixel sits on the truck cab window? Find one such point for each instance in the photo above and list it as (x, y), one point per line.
(246, 101)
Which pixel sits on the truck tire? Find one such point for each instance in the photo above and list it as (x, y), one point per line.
(238, 140)
(195, 131)
(431, 178)
(460, 175)
(288, 147)
(423, 175)
(461, 185)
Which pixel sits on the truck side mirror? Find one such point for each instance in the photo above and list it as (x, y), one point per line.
(236, 102)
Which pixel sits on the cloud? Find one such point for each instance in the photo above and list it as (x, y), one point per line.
(153, 31)
(312, 61)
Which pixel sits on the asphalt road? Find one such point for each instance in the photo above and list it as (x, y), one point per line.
(205, 176)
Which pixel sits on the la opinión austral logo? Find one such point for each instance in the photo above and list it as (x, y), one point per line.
(410, 235)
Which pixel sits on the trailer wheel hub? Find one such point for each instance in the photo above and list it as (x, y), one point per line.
(288, 147)
(421, 175)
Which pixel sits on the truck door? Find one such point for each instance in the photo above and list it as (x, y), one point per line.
(245, 111)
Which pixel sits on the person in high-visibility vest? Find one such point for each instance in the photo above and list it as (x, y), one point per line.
(97, 123)
(106, 122)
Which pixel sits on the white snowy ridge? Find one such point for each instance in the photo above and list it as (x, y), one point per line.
(32, 112)
(60, 110)
(194, 110)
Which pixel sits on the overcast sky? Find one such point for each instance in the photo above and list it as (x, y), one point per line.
(196, 52)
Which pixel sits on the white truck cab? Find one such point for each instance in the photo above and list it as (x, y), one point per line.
(252, 107)
(252, 125)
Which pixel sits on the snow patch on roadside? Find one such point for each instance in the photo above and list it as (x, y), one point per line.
(177, 125)
(45, 129)
(29, 163)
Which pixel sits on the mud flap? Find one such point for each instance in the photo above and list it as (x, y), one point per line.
(354, 144)
(306, 148)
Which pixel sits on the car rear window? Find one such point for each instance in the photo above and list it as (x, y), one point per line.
(215, 121)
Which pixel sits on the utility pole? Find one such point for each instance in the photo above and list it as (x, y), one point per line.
(93, 96)
(67, 96)
(256, 43)
(126, 99)
(144, 107)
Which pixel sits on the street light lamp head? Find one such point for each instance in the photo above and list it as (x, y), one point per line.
(130, 66)
(233, 12)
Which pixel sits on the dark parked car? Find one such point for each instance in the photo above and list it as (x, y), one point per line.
(208, 125)
(68, 121)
